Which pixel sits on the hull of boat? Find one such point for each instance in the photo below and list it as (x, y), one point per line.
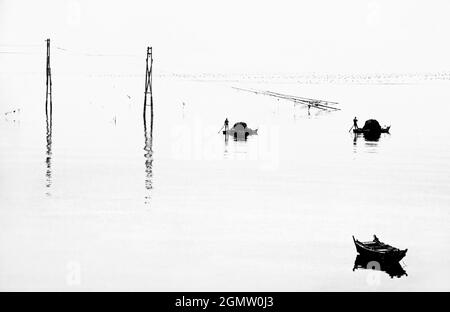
(362, 131)
(242, 133)
(385, 256)
(386, 253)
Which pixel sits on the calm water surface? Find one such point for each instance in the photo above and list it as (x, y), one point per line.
(92, 206)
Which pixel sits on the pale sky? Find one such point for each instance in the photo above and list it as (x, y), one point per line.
(237, 36)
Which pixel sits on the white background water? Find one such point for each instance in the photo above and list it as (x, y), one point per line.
(275, 213)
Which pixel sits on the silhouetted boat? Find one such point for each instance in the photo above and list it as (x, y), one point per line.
(378, 250)
(392, 268)
(372, 130)
(371, 127)
(240, 131)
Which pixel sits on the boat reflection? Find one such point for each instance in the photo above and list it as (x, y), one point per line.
(367, 137)
(236, 137)
(370, 136)
(370, 143)
(392, 268)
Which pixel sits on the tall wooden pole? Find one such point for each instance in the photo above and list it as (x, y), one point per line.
(151, 91)
(148, 88)
(148, 134)
(48, 96)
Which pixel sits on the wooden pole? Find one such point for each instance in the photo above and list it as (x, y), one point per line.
(148, 86)
(151, 91)
(48, 96)
(49, 119)
(148, 134)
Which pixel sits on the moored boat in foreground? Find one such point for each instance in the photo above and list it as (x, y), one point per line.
(378, 250)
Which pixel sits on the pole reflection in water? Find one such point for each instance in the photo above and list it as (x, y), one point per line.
(48, 159)
(148, 135)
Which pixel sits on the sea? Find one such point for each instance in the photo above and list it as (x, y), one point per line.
(93, 200)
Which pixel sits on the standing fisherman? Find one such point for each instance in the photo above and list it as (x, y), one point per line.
(226, 124)
(355, 123)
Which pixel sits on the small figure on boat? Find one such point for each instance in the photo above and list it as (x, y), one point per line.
(240, 131)
(226, 124)
(355, 123)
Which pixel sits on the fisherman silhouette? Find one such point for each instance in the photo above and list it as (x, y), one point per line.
(226, 124)
(355, 123)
